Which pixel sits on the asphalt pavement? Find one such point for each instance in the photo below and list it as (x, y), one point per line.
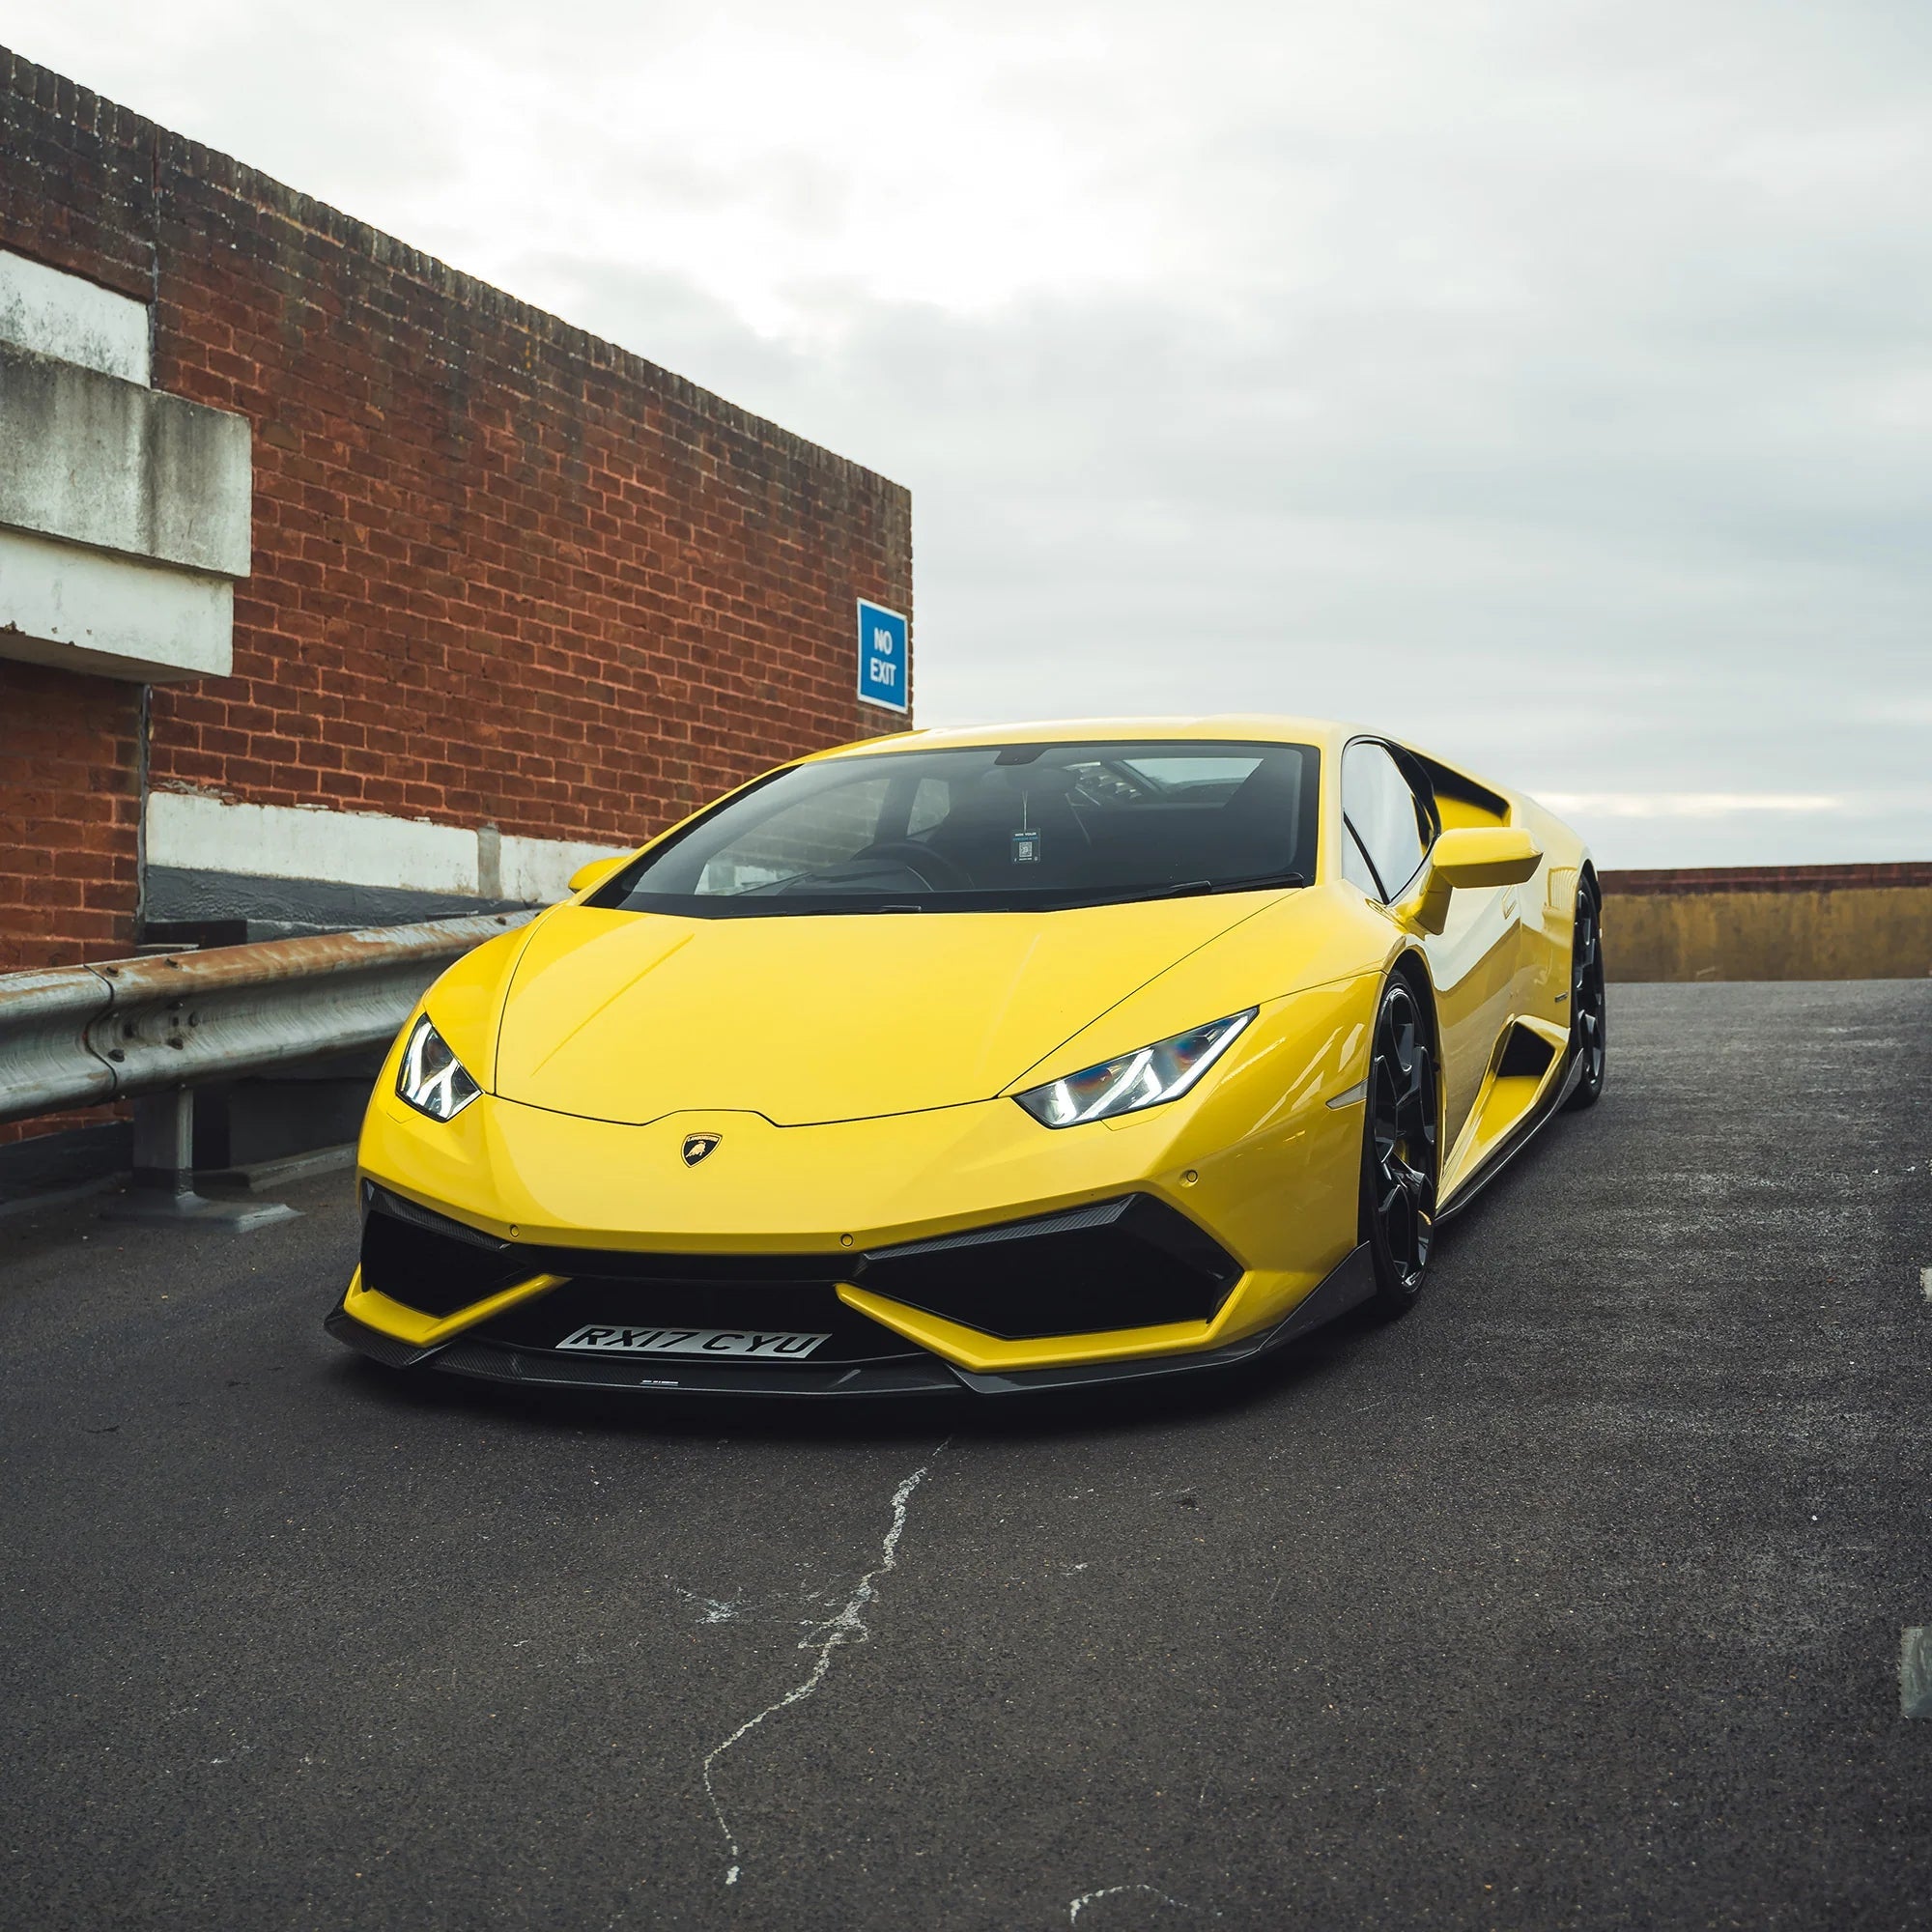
(1573, 1600)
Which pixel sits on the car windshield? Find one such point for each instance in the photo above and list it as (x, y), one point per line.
(994, 828)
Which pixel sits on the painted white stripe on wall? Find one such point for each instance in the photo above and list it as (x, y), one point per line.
(197, 831)
(51, 313)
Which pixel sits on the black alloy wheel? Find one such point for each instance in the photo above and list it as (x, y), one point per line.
(1587, 1004)
(1400, 1158)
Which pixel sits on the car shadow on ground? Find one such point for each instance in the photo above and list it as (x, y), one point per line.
(1154, 1402)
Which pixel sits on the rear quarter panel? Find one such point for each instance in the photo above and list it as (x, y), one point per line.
(1549, 905)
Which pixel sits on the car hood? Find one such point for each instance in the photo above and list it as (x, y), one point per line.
(629, 1016)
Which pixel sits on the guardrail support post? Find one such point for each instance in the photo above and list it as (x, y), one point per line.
(164, 1141)
(162, 1185)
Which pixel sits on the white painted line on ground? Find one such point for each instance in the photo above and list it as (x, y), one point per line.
(1914, 1671)
(1925, 1282)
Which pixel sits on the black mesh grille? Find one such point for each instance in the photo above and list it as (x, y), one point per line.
(432, 1272)
(437, 1265)
(1127, 1264)
(1130, 1263)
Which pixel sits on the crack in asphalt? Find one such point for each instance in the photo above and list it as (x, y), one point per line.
(846, 1626)
(1077, 1906)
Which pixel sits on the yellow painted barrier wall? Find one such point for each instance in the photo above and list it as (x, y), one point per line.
(1791, 923)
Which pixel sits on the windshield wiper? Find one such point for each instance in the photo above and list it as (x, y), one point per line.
(1255, 882)
(791, 905)
(772, 886)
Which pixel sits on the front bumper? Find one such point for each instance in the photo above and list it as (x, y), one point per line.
(1161, 1240)
(493, 1356)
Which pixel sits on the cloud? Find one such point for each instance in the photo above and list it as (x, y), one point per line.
(1686, 804)
(1546, 384)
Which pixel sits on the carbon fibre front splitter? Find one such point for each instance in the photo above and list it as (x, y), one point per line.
(914, 1374)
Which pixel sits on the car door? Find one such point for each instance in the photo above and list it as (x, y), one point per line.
(1388, 824)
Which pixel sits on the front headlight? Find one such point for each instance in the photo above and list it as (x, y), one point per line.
(431, 1078)
(1148, 1079)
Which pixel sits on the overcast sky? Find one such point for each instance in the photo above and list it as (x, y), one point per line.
(1548, 383)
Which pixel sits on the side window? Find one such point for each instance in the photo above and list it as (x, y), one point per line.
(1356, 866)
(930, 804)
(1383, 813)
(819, 833)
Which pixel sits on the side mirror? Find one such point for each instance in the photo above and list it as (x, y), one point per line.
(594, 872)
(1470, 856)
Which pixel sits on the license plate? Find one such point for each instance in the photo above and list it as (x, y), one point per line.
(765, 1342)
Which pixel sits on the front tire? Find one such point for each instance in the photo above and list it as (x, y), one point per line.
(1588, 1040)
(1399, 1157)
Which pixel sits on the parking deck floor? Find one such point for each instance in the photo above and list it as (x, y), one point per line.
(1575, 1600)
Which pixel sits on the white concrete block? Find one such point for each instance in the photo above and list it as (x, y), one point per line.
(57, 314)
(115, 617)
(540, 868)
(98, 460)
(199, 832)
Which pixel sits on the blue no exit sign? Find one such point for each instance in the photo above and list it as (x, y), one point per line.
(885, 657)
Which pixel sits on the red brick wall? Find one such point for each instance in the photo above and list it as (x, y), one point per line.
(502, 571)
(69, 807)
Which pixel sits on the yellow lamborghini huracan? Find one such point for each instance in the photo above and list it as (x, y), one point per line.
(994, 1059)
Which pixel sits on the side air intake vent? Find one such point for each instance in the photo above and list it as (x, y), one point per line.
(1525, 1056)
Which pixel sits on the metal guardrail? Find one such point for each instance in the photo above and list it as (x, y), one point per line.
(77, 1036)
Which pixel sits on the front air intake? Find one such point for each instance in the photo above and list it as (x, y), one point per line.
(1131, 1262)
(430, 1262)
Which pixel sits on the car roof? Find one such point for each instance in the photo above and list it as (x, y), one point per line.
(1240, 726)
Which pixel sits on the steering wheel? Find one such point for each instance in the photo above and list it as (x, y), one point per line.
(920, 861)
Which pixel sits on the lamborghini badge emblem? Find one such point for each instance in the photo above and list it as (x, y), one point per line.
(697, 1146)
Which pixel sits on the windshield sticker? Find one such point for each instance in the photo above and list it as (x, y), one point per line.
(1026, 848)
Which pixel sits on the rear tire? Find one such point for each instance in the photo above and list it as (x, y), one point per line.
(1400, 1158)
(1588, 1039)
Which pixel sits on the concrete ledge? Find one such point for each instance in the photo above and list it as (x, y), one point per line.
(125, 515)
(108, 463)
(115, 617)
(198, 832)
(66, 316)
